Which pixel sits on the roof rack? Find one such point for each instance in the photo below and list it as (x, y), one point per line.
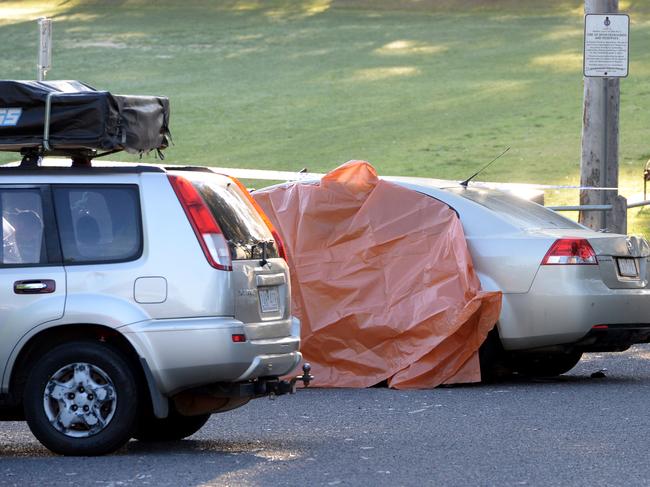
(72, 119)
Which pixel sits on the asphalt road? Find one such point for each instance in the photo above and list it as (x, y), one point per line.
(576, 430)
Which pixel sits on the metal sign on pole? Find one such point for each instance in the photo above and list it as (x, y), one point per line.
(44, 47)
(607, 45)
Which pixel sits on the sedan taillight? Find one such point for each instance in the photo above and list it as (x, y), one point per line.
(570, 251)
(205, 227)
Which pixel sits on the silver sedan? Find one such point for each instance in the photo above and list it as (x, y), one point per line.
(566, 289)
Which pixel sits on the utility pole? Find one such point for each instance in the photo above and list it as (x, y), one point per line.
(599, 161)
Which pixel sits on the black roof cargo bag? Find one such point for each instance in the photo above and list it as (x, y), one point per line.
(64, 117)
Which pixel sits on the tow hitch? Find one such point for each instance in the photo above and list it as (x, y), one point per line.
(213, 397)
(220, 397)
(279, 387)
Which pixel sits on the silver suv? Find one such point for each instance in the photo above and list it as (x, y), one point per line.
(136, 300)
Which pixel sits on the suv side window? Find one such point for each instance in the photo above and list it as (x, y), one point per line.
(23, 235)
(98, 224)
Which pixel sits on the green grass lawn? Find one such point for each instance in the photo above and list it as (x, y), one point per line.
(419, 87)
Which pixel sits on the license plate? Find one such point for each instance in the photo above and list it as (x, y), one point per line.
(627, 267)
(269, 299)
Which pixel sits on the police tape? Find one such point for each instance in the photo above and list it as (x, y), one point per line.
(272, 175)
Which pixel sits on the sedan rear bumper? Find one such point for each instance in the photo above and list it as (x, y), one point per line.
(565, 303)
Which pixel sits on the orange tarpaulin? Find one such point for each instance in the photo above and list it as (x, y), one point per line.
(382, 281)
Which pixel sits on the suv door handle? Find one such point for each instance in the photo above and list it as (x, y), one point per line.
(35, 286)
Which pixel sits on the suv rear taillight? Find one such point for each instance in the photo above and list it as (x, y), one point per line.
(206, 228)
(276, 236)
(570, 251)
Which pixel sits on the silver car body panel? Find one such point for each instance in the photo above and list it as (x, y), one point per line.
(19, 318)
(564, 303)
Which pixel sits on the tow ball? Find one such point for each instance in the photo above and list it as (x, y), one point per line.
(305, 378)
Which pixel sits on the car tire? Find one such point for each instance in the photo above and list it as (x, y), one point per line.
(81, 398)
(493, 359)
(172, 428)
(544, 364)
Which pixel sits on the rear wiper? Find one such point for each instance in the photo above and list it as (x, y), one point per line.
(263, 244)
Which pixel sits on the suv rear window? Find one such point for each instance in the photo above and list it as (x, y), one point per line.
(98, 224)
(241, 224)
(522, 213)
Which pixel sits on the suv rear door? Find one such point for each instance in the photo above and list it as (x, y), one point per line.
(260, 279)
(101, 236)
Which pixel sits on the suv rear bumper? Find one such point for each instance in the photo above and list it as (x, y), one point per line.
(191, 352)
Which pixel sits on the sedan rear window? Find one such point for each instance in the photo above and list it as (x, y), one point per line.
(520, 212)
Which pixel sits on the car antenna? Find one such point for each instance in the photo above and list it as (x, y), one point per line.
(466, 182)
